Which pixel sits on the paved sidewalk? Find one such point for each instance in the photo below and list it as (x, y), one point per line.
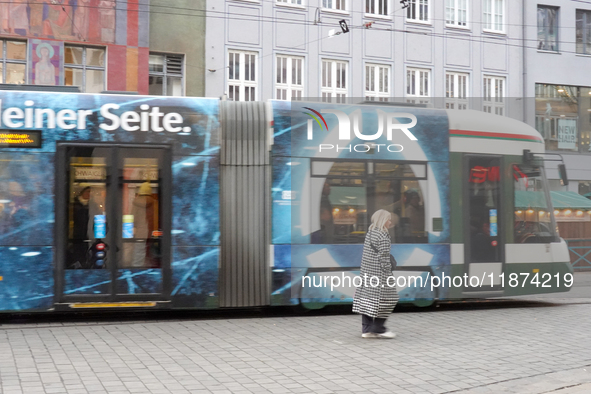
(504, 347)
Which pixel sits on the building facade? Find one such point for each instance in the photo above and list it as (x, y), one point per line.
(557, 63)
(465, 53)
(97, 45)
(177, 31)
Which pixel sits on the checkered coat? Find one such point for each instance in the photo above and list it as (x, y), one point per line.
(375, 301)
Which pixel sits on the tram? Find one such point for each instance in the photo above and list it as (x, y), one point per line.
(126, 201)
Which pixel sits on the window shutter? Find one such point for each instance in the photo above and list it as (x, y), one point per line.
(174, 64)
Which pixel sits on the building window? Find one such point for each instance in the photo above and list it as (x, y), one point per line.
(418, 10)
(13, 62)
(563, 117)
(548, 28)
(85, 67)
(584, 32)
(242, 76)
(418, 85)
(377, 82)
(295, 2)
(340, 5)
(456, 91)
(290, 77)
(166, 75)
(377, 7)
(456, 12)
(334, 80)
(493, 15)
(493, 95)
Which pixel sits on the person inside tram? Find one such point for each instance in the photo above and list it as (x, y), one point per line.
(143, 217)
(80, 216)
(415, 213)
(483, 249)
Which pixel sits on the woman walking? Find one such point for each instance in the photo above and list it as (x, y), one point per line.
(375, 301)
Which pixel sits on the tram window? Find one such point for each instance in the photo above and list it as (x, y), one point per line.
(87, 213)
(399, 170)
(346, 196)
(141, 214)
(23, 191)
(404, 200)
(484, 203)
(533, 218)
(342, 210)
(338, 169)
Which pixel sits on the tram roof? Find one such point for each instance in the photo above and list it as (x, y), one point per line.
(481, 132)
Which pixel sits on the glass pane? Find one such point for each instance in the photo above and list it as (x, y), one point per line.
(404, 200)
(73, 77)
(587, 36)
(399, 170)
(95, 57)
(87, 229)
(155, 86)
(174, 86)
(156, 63)
(341, 169)
(95, 81)
(15, 73)
(247, 68)
(73, 55)
(16, 50)
(341, 210)
(533, 218)
(141, 222)
(484, 192)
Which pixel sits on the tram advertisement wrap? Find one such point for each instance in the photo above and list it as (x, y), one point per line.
(335, 165)
(27, 198)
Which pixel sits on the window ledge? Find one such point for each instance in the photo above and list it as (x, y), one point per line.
(378, 16)
(550, 52)
(248, 1)
(459, 28)
(333, 11)
(289, 5)
(419, 22)
(583, 55)
(494, 32)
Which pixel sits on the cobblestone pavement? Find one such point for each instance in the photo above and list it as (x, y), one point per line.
(515, 347)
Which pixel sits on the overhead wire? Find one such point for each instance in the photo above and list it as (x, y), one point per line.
(273, 19)
(345, 13)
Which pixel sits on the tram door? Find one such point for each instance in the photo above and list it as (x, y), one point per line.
(113, 223)
(483, 246)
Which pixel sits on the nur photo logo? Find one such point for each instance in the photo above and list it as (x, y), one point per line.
(351, 125)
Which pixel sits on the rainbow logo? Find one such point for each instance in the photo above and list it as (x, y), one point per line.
(316, 119)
